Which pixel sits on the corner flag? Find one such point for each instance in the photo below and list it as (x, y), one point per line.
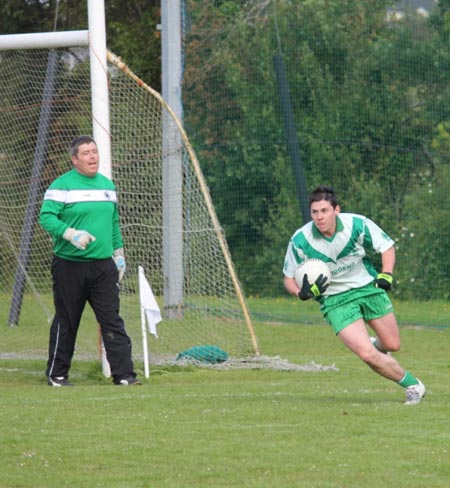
(150, 313)
(148, 303)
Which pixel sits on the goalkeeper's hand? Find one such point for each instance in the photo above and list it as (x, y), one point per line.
(79, 238)
(119, 259)
(315, 290)
(384, 280)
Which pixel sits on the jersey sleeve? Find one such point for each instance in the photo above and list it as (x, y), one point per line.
(376, 238)
(292, 259)
(117, 240)
(49, 217)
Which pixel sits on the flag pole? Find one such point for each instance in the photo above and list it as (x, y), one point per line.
(150, 314)
(144, 337)
(145, 344)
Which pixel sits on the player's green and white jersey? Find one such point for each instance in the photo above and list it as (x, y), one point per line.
(344, 252)
(83, 203)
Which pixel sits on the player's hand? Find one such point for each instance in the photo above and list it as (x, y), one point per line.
(315, 290)
(79, 238)
(119, 259)
(384, 280)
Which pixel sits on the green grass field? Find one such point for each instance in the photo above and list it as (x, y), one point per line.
(243, 428)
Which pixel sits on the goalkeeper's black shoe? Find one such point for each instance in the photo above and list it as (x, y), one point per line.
(128, 381)
(58, 381)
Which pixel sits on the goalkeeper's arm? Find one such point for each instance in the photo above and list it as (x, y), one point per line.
(119, 260)
(49, 218)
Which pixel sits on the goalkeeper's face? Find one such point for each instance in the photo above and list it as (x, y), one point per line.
(86, 161)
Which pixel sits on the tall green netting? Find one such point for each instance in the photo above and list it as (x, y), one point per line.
(369, 90)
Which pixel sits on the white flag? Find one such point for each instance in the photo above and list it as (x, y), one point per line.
(148, 303)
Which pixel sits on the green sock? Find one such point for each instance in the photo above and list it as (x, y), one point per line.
(408, 380)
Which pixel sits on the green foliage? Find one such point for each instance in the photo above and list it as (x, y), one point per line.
(131, 27)
(368, 96)
(423, 242)
(132, 32)
(371, 103)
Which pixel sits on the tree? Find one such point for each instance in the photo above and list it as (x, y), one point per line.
(131, 27)
(367, 97)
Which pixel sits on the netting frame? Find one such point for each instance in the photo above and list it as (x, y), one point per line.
(80, 37)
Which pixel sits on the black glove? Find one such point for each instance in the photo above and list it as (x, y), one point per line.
(315, 290)
(384, 280)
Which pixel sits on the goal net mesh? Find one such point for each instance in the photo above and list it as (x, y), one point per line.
(45, 103)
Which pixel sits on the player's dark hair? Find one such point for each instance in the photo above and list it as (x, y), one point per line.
(323, 193)
(77, 142)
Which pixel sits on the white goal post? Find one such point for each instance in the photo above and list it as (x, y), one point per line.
(126, 118)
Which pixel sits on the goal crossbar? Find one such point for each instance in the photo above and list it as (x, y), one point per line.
(44, 40)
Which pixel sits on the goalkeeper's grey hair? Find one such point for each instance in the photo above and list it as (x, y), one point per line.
(77, 142)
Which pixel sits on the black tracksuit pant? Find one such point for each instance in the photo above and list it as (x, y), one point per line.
(74, 284)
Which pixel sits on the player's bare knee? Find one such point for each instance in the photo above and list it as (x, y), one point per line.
(369, 356)
(392, 345)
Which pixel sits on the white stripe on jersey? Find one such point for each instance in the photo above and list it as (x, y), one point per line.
(77, 196)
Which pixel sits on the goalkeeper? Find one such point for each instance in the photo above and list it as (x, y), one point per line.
(356, 294)
(80, 213)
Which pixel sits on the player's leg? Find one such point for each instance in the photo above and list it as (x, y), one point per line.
(356, 338)
(104, 300)
(388, 338)
(378, 311)
(69, 300)
(347, 318)
(387, 332)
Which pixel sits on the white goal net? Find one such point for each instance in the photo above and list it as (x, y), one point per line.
(46, 102)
